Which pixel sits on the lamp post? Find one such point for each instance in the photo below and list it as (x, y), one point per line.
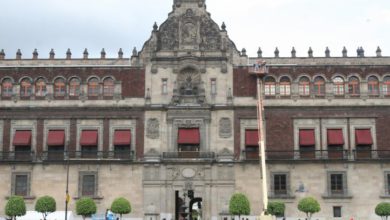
(67, 198)
(260, 70)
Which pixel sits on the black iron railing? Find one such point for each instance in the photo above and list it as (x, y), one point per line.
(298, 155)
(188, 155)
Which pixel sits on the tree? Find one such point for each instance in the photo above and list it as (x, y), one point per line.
(15, 207)
(45, 205)
(85, 207)
(276, 208)
(239, 205)
(383, 210)
(309, 205)
(121, 206)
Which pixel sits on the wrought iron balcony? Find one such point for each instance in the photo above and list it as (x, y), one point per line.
(188, 155)
(18, 156)
(87, 155)
(251, 155)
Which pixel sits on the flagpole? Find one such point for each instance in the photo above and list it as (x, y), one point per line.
(67, 188)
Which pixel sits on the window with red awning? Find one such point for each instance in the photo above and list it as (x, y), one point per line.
(251, 137)
(122, 137)
(89, 138)
(307, 137)
(335, 137)
(188, 136)
(56, 138)
(363, 137)
(22, 138)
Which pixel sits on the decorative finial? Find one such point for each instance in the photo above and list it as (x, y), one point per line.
(243, 52)
(327, 52)
(2, 54)
(259, 53)
(85, 54)
(223, 26)
(135, 53)
(360, 52)
(120, 53)
(18, 54)
(345, 52)
(378, 52)
(35, 54)
(310, 52)
(276, 52)
(103, 54)
(293, 53)
(155, 27)
(68, 54)
(51, 54)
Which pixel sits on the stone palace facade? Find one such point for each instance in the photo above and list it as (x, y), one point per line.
(179, 118)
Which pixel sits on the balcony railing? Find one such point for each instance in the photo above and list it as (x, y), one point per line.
(18, 156)
(299, 155)
(186, 155)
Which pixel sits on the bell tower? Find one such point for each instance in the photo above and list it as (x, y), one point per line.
(180, 3)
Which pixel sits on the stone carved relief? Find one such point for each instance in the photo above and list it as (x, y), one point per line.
(209, 32)
(225, 128)
(169, 34)
(153, 128)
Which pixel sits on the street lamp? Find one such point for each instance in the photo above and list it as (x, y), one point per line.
(260, 70)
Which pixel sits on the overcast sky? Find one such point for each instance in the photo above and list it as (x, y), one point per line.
(114, 24)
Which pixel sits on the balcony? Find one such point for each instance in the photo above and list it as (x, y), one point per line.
(250, 155)
(18, 156)
(188, 156)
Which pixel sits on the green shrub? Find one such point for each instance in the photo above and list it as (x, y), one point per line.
(85, 207)
(15, 207)
(309, 205)
(276, 208)
(121, 206)
(45, 205)
(383, 210)
(239, 205)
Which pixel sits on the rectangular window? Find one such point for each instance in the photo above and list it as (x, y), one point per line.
(213, 86)
(21, 184)
(88, 184)
(269, 89)
(337, 211)
(387, 183)
(337, 184)
(280, 184)
(285, 89)
(165, 86)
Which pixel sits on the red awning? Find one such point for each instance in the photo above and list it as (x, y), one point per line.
(188, 136)
(307, 137)
(363, 137)
(335, 137)
(22, 138)
(56, 138)
(122, 137)
(89, 138)
(251, 137)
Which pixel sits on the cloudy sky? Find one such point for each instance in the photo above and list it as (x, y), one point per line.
(114, 24)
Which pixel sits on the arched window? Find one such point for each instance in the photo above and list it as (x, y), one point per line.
(285, 86)
(93, 87)
(354, 86)
(59, 87)
(74, 87)
(319, 86)
(25, 88)
(373, 86)
(386, 86)
(6, 88)
(304, 86)
(269, 86)
(108, 87)
(338, 86)
(40, 87)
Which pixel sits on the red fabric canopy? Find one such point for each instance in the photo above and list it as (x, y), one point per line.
(363, 137)
(251, 137)
(122, 137)
(307, 137)
(188, 136)
(89, 138)
(335, 137)
(22, 138)
(56, 138)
